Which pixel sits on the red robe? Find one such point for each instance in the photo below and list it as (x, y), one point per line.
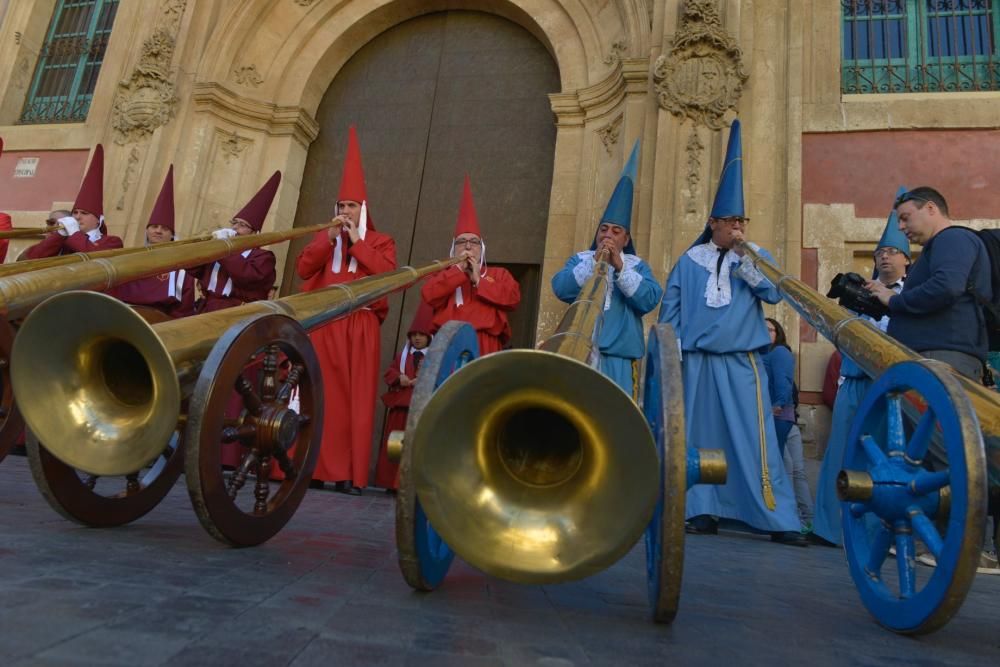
(55, 244)
(485, 306)
(348, 351)
(5, 224)
(237, 279)
(170, 293)
(397, 399)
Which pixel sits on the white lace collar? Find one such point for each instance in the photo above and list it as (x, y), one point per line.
(718, 288)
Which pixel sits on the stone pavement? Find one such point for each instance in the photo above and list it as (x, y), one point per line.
(327, 591)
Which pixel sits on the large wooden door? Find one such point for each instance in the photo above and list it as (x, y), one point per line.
(433, 99)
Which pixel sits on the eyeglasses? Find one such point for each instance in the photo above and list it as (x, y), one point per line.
(887, 252)
(468, 243)
(734, 221)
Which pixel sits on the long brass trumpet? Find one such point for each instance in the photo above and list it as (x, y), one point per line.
(61, 260)
(21, 292)
(549, 471)
(113, 384)
(23, 232)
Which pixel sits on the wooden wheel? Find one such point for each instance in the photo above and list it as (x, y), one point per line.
(891, 498)
(11, 421)
(663, 405)
(105, 502)
(274, 435)
(424, 558)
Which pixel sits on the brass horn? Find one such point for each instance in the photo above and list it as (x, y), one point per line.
(21, 292)
(23, 232)
(112, 384)
(531, 464)
(25, 265)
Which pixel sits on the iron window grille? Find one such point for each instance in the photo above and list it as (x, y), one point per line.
(905, 46)
(69, 62)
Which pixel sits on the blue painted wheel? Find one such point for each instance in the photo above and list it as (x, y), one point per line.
(663, 406)
(424, 558)
(897, 494)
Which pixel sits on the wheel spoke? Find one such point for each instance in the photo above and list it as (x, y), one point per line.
(927, 482)
(250, 398)
(240, 433)
(239, 477)
(874, 453)
(269, 383)
(285, 463)
(896, 440)
(291, 382)
(879, 550)
(261, 489)
(916, 449)
(926, 531)
(905, 554)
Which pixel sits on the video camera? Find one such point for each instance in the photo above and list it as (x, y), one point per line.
(849, 288)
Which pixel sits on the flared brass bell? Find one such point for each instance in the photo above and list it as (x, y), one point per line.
(534, 467)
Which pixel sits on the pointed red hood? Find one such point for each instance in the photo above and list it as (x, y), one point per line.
(468, 222)
(91, 195)
(423, 319)
(352, 182)
(163, 210)
(256, 209)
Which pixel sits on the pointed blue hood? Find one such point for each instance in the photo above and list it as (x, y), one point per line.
(729, 195)
(892, 237)
(619, 210)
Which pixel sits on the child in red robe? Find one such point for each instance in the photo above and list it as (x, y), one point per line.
(401, 376)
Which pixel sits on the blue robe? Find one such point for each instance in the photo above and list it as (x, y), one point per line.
(635, 293)
(725, 386)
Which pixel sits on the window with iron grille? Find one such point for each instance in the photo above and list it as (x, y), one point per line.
(907, 46)
(69, 62)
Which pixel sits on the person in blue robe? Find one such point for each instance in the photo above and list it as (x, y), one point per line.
(635, 290)
(713, 300)
(892, 257)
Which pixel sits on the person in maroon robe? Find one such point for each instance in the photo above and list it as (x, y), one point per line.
(171, 293)
(471, 291)
(84, 230)
(348, 348)
(247, 276)
(401, 376)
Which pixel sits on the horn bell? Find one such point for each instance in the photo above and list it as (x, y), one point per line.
(534, 467)
(97, 357)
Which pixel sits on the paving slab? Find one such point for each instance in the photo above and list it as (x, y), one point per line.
(327, 590)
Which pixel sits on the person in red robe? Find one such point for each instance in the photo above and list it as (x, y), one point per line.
(171, 293)
(247, 276)
(348, 348)
(471, 291)
(84, 230)
(400, 377)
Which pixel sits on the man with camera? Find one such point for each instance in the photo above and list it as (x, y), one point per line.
(937, 315)
(892, 259)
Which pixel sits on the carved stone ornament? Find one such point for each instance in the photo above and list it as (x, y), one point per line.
(609, 133)
(233, 145)
(618, 50)
(248, 76)
(128, 176)
(147, 100)
(173, 10)
(694, 148)
(702, 77)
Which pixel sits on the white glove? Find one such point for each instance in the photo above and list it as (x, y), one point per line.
(70, 225)
(224, 233)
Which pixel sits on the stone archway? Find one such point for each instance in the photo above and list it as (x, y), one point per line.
(434, 98)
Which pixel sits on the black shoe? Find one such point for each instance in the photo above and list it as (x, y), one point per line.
(813, 538)
(391, 492)
(341, 487)
(790, 537)
(702, 525)
(353, 491)
(315, 484)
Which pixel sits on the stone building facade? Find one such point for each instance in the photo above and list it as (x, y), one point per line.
(539, 100)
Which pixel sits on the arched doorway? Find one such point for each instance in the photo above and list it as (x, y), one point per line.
(434, 98)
